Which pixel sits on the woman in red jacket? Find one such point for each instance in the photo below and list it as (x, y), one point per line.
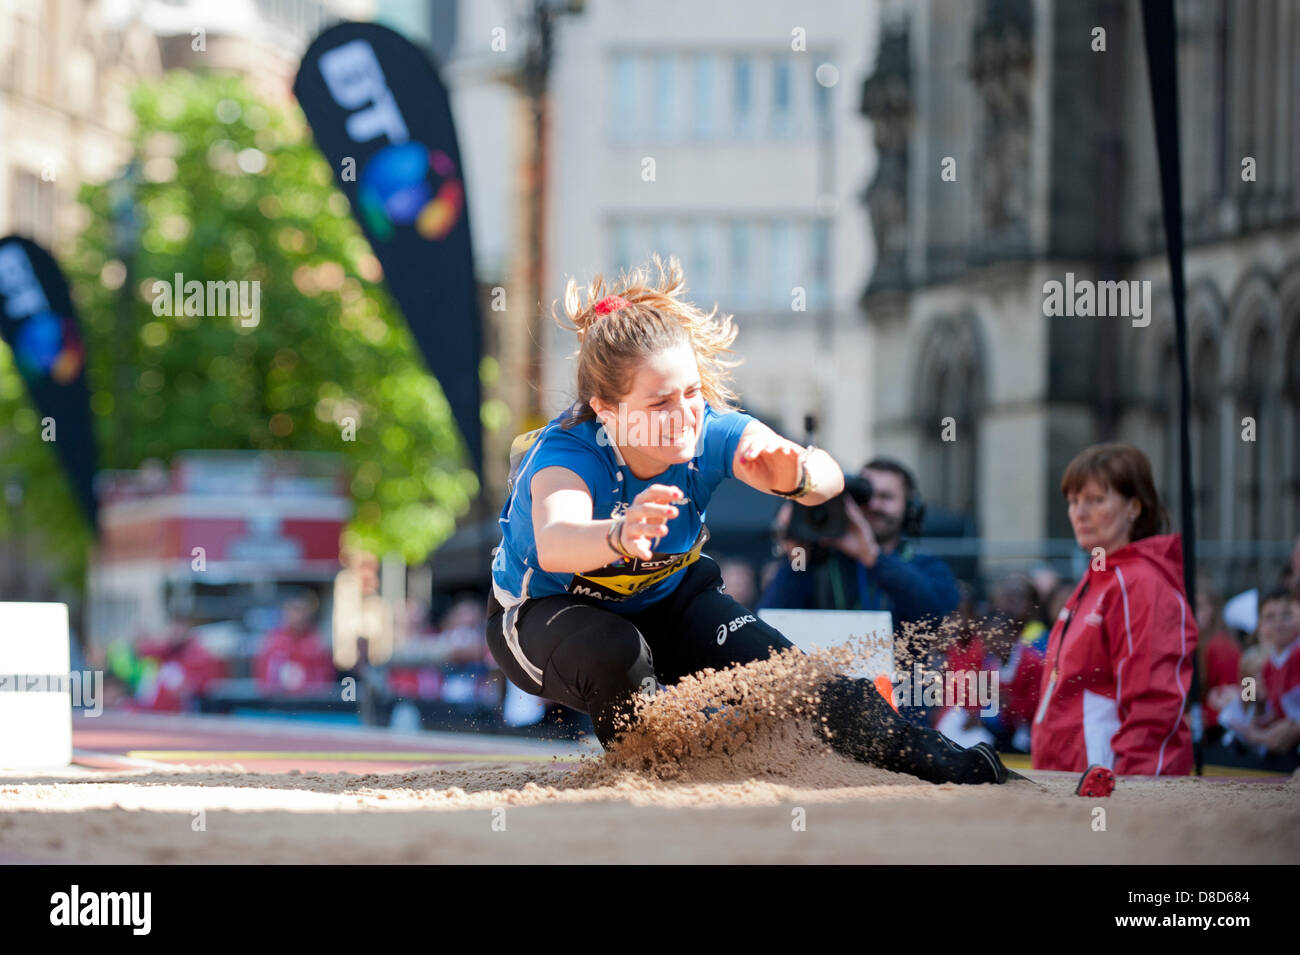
(1120, 656)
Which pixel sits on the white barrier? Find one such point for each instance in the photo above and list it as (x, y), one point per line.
(822, 629)
(522, 709)
(35, 691)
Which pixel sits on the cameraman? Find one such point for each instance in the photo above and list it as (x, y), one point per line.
(872, 565)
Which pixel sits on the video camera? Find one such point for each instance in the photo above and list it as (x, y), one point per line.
(828, 519)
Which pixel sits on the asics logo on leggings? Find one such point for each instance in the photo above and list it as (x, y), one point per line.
(732, 627)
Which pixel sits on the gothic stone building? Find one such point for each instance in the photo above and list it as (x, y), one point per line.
(1015, 151)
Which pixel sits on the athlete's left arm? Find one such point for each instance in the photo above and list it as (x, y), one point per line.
(766, 461)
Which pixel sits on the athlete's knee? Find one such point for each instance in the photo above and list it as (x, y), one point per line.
(607, 660)
(605, 666)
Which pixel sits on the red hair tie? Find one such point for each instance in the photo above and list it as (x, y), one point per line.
(611, 303)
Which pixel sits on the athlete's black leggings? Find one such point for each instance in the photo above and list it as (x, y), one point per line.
(571, 649)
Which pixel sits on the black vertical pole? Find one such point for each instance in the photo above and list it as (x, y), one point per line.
(1162, 72)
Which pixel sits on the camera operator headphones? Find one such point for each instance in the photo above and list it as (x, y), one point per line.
(914, 509)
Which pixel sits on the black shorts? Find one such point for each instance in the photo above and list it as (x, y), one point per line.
(577, 651)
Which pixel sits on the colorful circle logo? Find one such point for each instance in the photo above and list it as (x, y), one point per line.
(48, 345)
(410, 184)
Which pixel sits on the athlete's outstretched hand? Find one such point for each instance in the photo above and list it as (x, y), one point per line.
(648, 516)
(768, 461)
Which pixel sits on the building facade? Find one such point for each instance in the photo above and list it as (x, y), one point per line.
(1017, 149)
(67, 68)
(727, 135)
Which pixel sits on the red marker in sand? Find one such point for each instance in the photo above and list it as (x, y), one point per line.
(1097, 781)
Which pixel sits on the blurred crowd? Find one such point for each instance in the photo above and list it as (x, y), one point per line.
(291, 664)
(1248, 666)
(1246, 658)
(173, 671)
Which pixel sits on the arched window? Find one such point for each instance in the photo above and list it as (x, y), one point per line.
(1251, 474)
(1166, 407)
(1290, 476)
(950, 386)
(1255, 462)
(1204, 425)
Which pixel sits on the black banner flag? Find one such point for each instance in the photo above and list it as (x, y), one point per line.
(39, 324)
(381, 117)
(1162, 75)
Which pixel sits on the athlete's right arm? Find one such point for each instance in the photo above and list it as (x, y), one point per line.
(570, 542)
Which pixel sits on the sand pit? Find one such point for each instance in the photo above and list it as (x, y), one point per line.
(449, 816)
(751, 783)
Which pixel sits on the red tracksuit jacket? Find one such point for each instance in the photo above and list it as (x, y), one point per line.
(1119, 668)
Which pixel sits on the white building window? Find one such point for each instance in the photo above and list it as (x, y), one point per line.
(33, 208)
(702, 277)
(821, 106)
(780, 265)
(781, 98)
(30, 38)
(622, 246)
(661, 241)
(740, 264)
(666, 103)
(742, 96)
(819, 265)
(703, 86)
(623, 102)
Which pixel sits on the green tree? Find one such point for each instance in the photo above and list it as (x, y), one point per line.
(233, 189)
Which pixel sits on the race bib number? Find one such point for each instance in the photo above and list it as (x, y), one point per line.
(618, 582)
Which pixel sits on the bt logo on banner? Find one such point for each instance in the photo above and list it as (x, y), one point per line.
(405, 183)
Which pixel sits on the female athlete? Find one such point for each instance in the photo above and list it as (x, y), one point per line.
(600, 586)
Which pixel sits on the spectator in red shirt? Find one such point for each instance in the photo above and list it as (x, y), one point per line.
(1277, 729)
(294, 658)
(1119, 667)
(177, 669)
(1219, 656)
(1006, 647)
(966, 655)
(1015, 608)
(1020, 676)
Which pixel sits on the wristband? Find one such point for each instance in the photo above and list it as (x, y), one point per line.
(805, 484)
(614, 537)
